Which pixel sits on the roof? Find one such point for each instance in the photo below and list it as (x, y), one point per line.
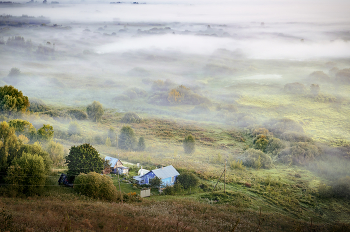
(112, 160)
(142, 172)
(165, 172)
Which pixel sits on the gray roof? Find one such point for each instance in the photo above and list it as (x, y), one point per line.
(165, 172)
(112, 160)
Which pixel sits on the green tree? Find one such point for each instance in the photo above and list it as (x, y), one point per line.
(23, 127)
(83, 159)
(9, 147)
(12, 100)
(141, 146)
(188, 180)
(189, 144)
(126, 140)
(56, 152)
(155, 182)
(95, 111)
(26, 174)
(45, 132)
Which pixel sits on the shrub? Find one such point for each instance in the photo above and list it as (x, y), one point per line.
(173, 190)
(314, 89)
(275, 146)
(77, 114)
(319, 76)
(292, 136)
(26, 174)
(295, 88)
(131, 118)
(261, 142)
(237, 164)
(325, 191)
(188, 180)
(155, 182)
(279, 126)
(200, 109)
(37, 105)
(74, 129)
(341, 188)
(343, 76)
(257, 159)
(299, 154)
(189, 144)
(96, 186)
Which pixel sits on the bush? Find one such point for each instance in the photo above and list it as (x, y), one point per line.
(131, 118)
(155, 182)
(74, 129)
(200, 109)
(300, 153)
(319, 76)
(96, 186)
(237, 164)
(257, 159)
(261, 142)
(295, 88)
(141, 146)
(275, 146)
(295, 137)
(37, 105)
(78, 114)
(341, 188)
(26, 174)
(173, 190)
(188, 180)
(279, 126)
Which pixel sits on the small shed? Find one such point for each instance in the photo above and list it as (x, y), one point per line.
(115, 164)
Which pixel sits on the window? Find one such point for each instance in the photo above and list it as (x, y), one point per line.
(172, 179)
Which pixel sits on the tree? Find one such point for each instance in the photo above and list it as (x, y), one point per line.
(95, 111)
(126, 140)
(83, 159)
(260, 142)
(14, 72)
(257, 159)
(12, 100)
(111, 134)
(56, 152)
(141, 146)
(131, 118)
(188, 180)
(189, 144)
(314, 89)
(23, 127)
(155, 182)
(8, 146)
(27, 174)
(45, 132)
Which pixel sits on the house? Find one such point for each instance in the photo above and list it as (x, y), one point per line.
(115, 164)
(167, 175)
(123, 170)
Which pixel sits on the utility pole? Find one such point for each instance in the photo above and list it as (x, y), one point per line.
(120, 190)
(225, 178)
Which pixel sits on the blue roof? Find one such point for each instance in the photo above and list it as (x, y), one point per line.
(165, 172)
(112, 160)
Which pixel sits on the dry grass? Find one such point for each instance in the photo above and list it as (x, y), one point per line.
(47, 214)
